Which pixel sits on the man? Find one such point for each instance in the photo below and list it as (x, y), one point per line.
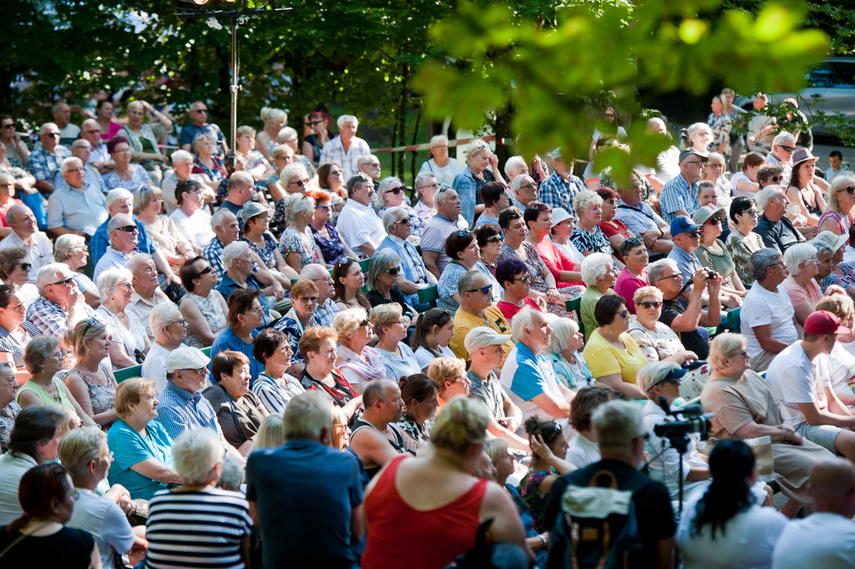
(800, 378)
(369, 165)
(167, 325)
(826, 538)
(687, 317)
(687, 238)
(200, 125)
(99, 158)
(527, 374)
(514, 278)
(485, 348)
(76, 206)
(33, 441)
(738, 119)
(25, 234)
(238, 264)
(446, 221)
(357, 224)
(306, 493)
(560, 187)
(476, 309)
(640, 218)
(346, 148)
(760, 127)
(241, 190)
(147, 293)
(60, 305)
(667, 161)
(836, 166)
(181, 405)
(415, 275)
(773, 226)
(620, 435)
(45, 160)
(524, 191)
(680, 193)
(11, 138)
(327, 309)
(81, 148)
(783, 148)
(375, 439)
(124, 238)
(767, 319)
(769, 174)
(62, 115)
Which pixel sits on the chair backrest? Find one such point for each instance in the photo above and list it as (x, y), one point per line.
(129, 372)
(575, 305)
(429, 294)
(364, 264)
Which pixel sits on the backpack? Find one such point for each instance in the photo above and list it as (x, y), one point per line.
(596, 528)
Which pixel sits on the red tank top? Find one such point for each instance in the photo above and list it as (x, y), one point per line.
(399, 536)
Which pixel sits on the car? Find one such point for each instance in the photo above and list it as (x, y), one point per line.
(830, 88)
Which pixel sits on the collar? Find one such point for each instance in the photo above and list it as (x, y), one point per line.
(398, 241)
(124, 256)
(357, 205)
(622, 203)
(183, 393)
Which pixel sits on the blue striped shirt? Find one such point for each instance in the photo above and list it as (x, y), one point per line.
(180, 410)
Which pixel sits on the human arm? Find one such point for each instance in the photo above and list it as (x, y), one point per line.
(163, 266)
(803, 310)
(44, 186)
(689, 320)
(551, 406)
(372, 446)
(794, 195)
(119, 356)
(542, 450)
(500, 432)
(367, 249)
(95, 557)
(80, 391)
(430, 258)
(616, 383)
(816, 416)
(778, 434)
(506, 526)
(767, 342)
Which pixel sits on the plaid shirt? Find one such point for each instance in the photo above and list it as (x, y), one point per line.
(676, 195)
(180, 410)
(333, 151)
(213, 253)
(555, 191)
(325, 313)
(44, 316)
(44, 165)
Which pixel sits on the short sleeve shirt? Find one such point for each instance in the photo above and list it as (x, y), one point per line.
(489, 392)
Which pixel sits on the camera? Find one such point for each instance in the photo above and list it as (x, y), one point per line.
(711, 274)
(700, 424)
(693, 365)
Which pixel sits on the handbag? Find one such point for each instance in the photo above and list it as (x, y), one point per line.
(491, 556)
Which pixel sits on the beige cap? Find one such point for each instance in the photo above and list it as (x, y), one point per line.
(481, 337)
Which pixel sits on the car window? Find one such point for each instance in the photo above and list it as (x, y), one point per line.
(842, 75)
(820, 76)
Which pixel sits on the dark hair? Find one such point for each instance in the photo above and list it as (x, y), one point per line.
(587, 399)
(240, 300)
(324, 173)
(533, 211)
(102, 102)
(226, 362)
(706, 184)
(33, 425)
(629, 244)
(115, 141)
(188, 273)
(548, 430)
(424, 324)
(417, 386)
(852, 233)
(266, 343)
(340, 271)
(6, 291)
(739, 206)
(607, 308)
(183, 186)
(491, 192)
(39, 488)
(485, 232)
(752, 159)
(796, 178)
(457, 242)
(356, 182)
(766, 171)
(509, 269)
(508, 215)
(832, 154)
(731, 463)
(607, 193)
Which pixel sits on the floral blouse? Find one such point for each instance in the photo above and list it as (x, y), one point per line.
(217, 174)
(293, 242)
(530, 492)
(267, 254)
(103, 397)
(332, 248)
(419, 433)
(740, 249)
(721, 127)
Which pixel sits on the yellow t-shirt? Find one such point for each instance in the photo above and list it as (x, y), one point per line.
(465, 321)
(604, 359)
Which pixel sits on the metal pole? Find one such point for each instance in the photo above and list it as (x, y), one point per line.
(234, 86)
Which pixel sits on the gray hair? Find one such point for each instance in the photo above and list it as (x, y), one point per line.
(117, 194)
(306, 416)
(69, 162)
(762, 197)
(92, 122)
(466, 280)
(291, 170)
(118, 221)
(384, 315)
(137, 260)
(64, 245)
(441, 196)
(196, 453)
(12, 213)
(383, 260)
(476, 147)
(161, 316)
(593, 266)
(652, 373)
(231, 476)
(232, 251)
(297, 203)
(346, 323)
(783, 138)
(517, 182)
(79, 447)
(438, 138)
(271, 115)
(524, 320)
(218, 220)
(109, 280)
(180, 156)
(422, 179)
(655, 271)
(617, 424)
(562, 330)
(760, 261)
(390, 216)
(48, 274)
(284, 133)
(798, 254)
(695, 127)
(380, 197)
(364, 159)
(584, 200)
(515, 164)
(202, 136)
(344, 119)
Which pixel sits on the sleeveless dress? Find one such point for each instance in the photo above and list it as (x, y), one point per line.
(426, 539)
(103, 397)
(62, 400)
(843, 224)
(212, 311)
(530, 493)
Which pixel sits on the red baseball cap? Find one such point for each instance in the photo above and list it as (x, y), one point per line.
(823, 322)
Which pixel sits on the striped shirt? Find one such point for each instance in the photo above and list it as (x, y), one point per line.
(202, 529)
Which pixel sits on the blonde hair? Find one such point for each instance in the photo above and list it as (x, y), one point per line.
(130, 392)
(346, 323)
(446, 369)
(646, 291)
(461, 424)
(80, 447)
(726, 345)
(271, 433)
(82, 331)
(384, 315)
(838, 304)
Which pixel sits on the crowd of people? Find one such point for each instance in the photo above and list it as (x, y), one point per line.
(310, 364)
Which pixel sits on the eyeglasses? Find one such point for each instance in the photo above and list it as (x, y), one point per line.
(787, 148)
(365, 323)
(653, 304)
(776, 178)
(127, 228)
(496, 239)
(486, 290)
(204, 271)
(300, 183)
(405, 221)
(315, 123)
(309, 300)
(259, 311)
(848, 189)
(393, 271)
(634, 241)
(323, 207)
(529, 187)
(200, 111)
(660, 382)
(524, 279)
(694, 234)
(56, 134)
(372, 165)
(694, 163)
(743, 354)
(13, 126)
(395, 191)
(65, 282)
(676, 276)
(623, 313)
(25, 266)
(751, 212)
(434, 185)
(715, 221)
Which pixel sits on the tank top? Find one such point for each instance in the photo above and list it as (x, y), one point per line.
(427, 540)
(397, 444)
(72, 546)
(62, 399)
(842, 223)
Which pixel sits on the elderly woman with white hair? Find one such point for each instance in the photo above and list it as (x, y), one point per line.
(247, 158)
(441, 166)
(426, 186)
(297, 245)
(91, 381)
(274, 121)
(198, 505)
(587, 236)
(148, 201)
(130, 343)
(182, 164)
(841, 199)
(207, 166)
(391, 330)
(599, 275)
(699, 136)
(289, 137)
(804, 292)
(143, 137)
(383, 282)
(483, 167)
(567, 361)
(71, 250)
(391, 194)
(292, 178)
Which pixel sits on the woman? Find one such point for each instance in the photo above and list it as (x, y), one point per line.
(712, 253)
(451, 378)
(725, 519)
(495, 199)
(489, 237)
(804, 292)
(538, 220)
(271, 433)
(43, 358)
(699, 136)
(13, 337)
(583, 449)
(599, 275)
(419, 394)
(391, 194)
(433, 332)
(744, 183)
(587, 236)
(15, 271)
(143, 138)
(207, 166)
(304, 302)
(245, 315)
(104, 117)
(802, 190)
(283, 156)
(359, 363)
(548, 447)
(124, 175)
(633, 276)
(318, 350)
(841, 362)
(482, 167)
(142, 453)
(91, 381)
(742, 241)
(239, 410)
(274, 386)
(838, 217)
(130, 343)
(256, 233)
(292, 179)
(191, 219)
(8, 408)
(611, 353)
(250, 160)
(274, 120)
(720, 126)
(39, 538)
(148, 201)
(563, 225)
(830, 267)
(198, 505)
(391, 330)
(332, 246)
(426, 186)
(713, 174)
(438, 496)
(182, 162)
(382, 282)
(658, 342)
(465, 254)
(7, 191)
(203, 307)
(613, 229)
(71, 250)
(441, 166)
(297, 246)
(348, 280)
(320, 122)
(567, 362)
(331, 179)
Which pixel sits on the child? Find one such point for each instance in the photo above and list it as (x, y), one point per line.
(837, 166)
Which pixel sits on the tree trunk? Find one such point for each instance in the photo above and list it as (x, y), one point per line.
(502, 129)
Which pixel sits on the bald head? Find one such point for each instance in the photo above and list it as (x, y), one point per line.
(832, 485)
(656, 125)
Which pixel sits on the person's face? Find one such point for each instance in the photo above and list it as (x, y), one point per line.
(21, 273)
(748, 217)
(484, 469)
(9, 129)
(242, 266)
(610, 115)
(689, 241)
(199, 114)
(50, 136)
(543, 224)
(325, 287)
(834, 162)
(335, 178)
(825, 264)
(402, 228)
(810, 267)
(777, 272)
(521, 285)
(494, 355)
(670, 390)
(105, 111)
(457, 387)
(177, 330)
(326, 355)
(540, 332)
(136, 114)
(147, 406)
(806, 171)
(424, 410)
(443, 334)
(122, 154)
(713, 170)
(776, 206)
(283, 160)
(99, 346)
(102, 463)
(363, 333)
(156, 203)
(373, 169)
(53, 362)
(562, 231)
(74, 175)
(439, 151)
(429, 189)
(393, 404)
(246, 142)
(708, 196)
(691, 167)
(649, 309)
(281, 356)
(480, 160)
(92, 134)
(576, 342)
(323, 213)
(712, 227)
(125, 237)
(449, 205)
(7, 187)
(670, 282)
(354, 278)
(701, 139)
(8, 385)
(364, 193)
(845, 195)
(558, 445)
(260, 223)
(389, 277)
(237, 382)
(230, 230)
(759, 103)
(254, 317)
(205, 278)
(716, 106)
(609, 209)
(291, 141)
(784, 152)
(60, 290)
(123, 293)
(472, 253)
(492, 247)
(729, 97)
(348, 130)
(394, 194)
(638, 257)
(622, 318)
(205, 147)
(396, 331)
(82, 150)
(306, 304)
(528, 189)
(183, 169)
(518, 229)
(192, 380)
(593, 215)
(505, 466)
(609, 277)
(741, 362)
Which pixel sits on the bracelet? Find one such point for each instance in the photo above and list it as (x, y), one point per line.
(661, 233)
(543, 539)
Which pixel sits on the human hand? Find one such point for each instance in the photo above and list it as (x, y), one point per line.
(552, 296)
(650, 237)
(494, 161)
(687, 356)
(540, 448)
(513, 423)
(699, 280)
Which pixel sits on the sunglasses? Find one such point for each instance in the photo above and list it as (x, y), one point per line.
(25, 266)
(365, 323)
(324, 207)
(395, 191)
(67, 282)
(127, 228)
(654, 304)
(623, 313)
(394, 271)
(309, 299)
(788, 148)
(524, 279)
(200, 111)
(776, 178)
(496, 239)
(486, 290)
(715, 221)
(849, 189)
(405, 221)
(315, 123)
(300, 183)
(204, 271)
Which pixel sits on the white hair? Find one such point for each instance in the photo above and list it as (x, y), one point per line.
(762, 197)
(161, 316)
(273, 115)
(584, 200)
(438, 138)
(593, 266)
(296, 203)
(652, 373)
(562, 330)
(65, 244)
(118, 194)
(284, 133)
(69, 162)
(380, 197)
(344, 119)
(515, 164)
(390, 216)
(306, 416)
(291, 170)
(202, 136)
(796, 255)
(219, 218)
(109, 280)
(180, 156)
(232, 251)
(134, 262)
(48, 274)
(782, 138)
(524, 320)
(196, 453)
(422, 179)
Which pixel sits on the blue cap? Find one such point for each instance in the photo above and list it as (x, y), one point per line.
(682, 224)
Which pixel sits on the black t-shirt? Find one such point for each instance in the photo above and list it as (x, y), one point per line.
(693, 340)
(778, 235)
(650, 498)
